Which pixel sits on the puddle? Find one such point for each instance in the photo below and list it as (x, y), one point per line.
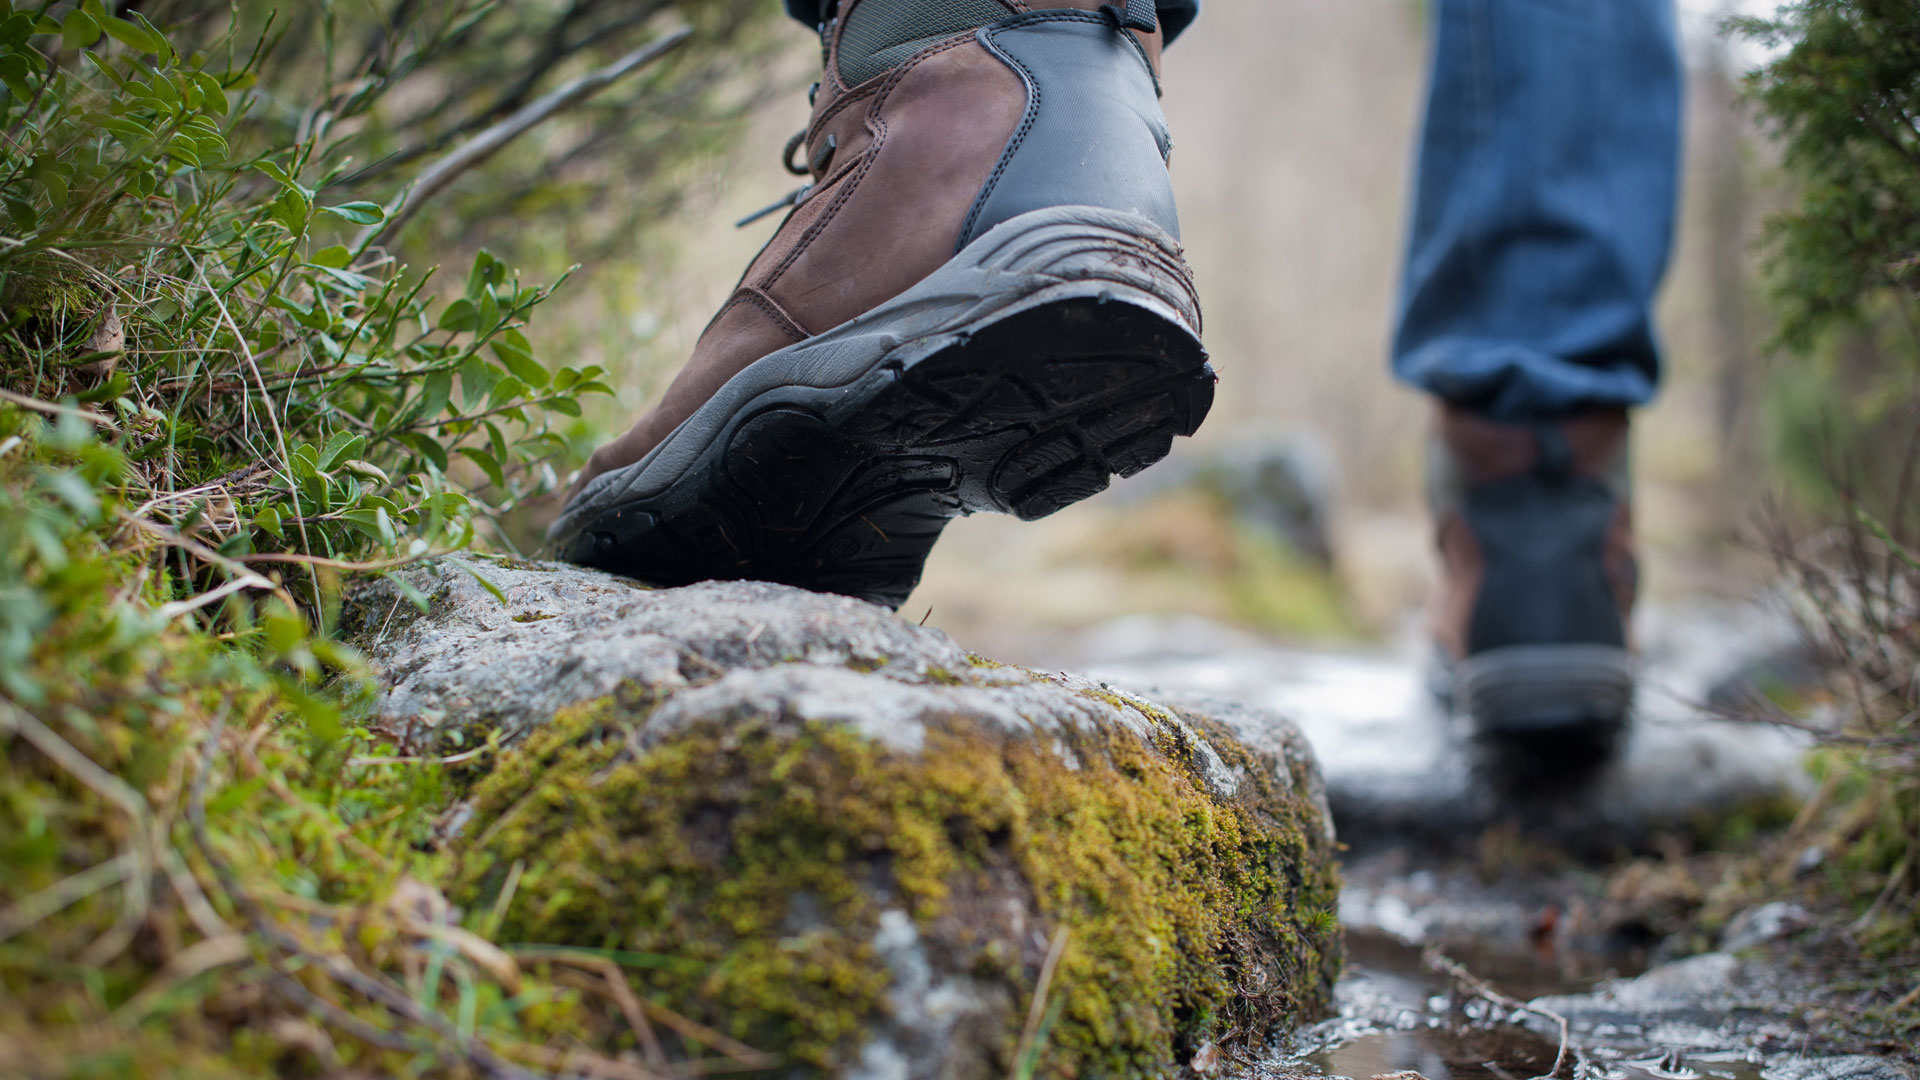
(1395, 1015)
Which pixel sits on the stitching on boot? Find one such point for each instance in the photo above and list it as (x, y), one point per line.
(772, 310)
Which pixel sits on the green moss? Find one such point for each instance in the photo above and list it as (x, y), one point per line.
(759, 859)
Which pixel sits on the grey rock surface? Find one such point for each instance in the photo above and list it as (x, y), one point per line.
(755, 661)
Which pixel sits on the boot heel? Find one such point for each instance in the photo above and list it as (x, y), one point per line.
(1545, 689)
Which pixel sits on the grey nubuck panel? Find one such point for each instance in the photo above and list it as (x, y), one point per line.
(1093, 134)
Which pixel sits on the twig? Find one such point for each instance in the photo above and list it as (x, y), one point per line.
(484, 145)
(1440, 962)
(52, 409)
(739, 1052)
(623, 996)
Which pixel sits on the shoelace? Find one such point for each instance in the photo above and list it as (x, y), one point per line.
(815, 166)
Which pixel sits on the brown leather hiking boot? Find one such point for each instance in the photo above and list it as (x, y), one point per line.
(977, 303)
(1538, 574)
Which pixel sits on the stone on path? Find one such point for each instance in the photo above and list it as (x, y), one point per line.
(843, 840)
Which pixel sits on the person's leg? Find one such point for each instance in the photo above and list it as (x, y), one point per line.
(1543, 209)
(1542, 219)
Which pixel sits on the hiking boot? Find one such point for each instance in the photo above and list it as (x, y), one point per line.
(978, 302)
(1537, 571)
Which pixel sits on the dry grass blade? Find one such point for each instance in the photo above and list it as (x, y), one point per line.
(1037, 1011)
(201, 956)
(68, 891)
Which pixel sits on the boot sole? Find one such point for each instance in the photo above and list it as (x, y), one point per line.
(1545, 690)
(1054, 353)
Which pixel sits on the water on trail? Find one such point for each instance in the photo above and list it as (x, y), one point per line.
(1396, 1014)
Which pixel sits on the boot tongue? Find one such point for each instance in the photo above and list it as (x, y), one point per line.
(880, 34)
(1555, 460)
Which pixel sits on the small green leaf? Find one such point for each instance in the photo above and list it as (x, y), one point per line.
(133, 35)
(513, 350)
(214, 94)
(360, 213)
(165, 92)
(486, 464)
(79, 30)
(435, 390)
(413, 595)
(460, 316)
(335, 257)
(487, 272)
(344, 444)
(268, 519)
(506, 390)
(366, 470)
(427, 448)
(477, 379)
(498, 593)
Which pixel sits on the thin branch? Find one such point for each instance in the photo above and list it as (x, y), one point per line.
(1440, 962)
(484, 145)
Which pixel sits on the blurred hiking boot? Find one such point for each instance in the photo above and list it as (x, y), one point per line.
(1538, 574)
(977, 302)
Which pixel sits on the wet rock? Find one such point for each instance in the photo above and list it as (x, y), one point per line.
(1838, 1067)
(1715, 1005)
(1399, 770)
(1759, 925)
(841, 839)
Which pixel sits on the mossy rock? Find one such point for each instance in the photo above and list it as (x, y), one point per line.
(834, 836)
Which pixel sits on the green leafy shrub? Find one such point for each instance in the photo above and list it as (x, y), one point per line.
(1843, 95)
(221, 393)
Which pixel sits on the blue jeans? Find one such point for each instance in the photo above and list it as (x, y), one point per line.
(1543, 210)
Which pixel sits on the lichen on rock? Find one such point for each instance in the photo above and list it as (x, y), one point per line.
(831, 835)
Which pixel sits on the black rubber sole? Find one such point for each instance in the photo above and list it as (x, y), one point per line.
(846, 489)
